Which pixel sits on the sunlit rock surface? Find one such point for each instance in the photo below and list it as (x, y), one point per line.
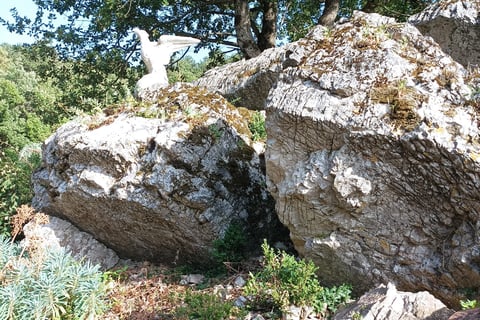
(373, 158)
(159, 182)
(455, 26)
(387, 303)
(58, 233)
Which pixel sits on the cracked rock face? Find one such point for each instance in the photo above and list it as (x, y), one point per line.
(160, 182)
(246, 83)
(386, 303)
(455, 26)
(58, 233)
(373, 158)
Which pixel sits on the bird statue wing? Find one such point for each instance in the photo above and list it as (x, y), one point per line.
(175, 43)
(156, 55)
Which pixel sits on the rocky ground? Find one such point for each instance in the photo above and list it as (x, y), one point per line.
(144, 291)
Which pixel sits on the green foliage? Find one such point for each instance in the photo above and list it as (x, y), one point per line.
(257, 127)
(47, 285)
(115, 275)
(27, 102)
(15, 187)
(300, 17)
(215, 131)
(286, 281)
(400, 10)
(204, 306)
(83, 84)
(468, 304)
(231, 248)
(28, 112)
(186, 70)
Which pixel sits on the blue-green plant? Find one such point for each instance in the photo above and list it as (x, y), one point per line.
(285, 281)
(47, 284)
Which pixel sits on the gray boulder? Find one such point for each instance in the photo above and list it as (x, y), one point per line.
(158, 181)
(58, 233)
(373, 158)
(246, 83)
(455, 26)
(386, 303)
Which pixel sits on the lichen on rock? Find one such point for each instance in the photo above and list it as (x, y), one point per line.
(370, 157)
(158, 181)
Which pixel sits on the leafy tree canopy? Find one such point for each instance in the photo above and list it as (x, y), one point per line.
(105, 25)
(100, 55)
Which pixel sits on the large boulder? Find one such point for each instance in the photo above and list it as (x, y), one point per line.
(246, 83)
(455, 26)
(373, 158)
(387, 303)
(58, 233)
(158, 181)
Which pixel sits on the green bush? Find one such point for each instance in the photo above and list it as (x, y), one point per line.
(28, 111)
(230, 248)
(47, 284)
(257, 127)
(185, 70)
(15, 173)
(468, 304)
(204, 306)
(15, 190)
(286, 281)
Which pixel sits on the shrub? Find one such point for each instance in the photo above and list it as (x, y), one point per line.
(468, 304)
(15, 190)
(205, 306)
(231, 248)
(257, 127)
(286, 281)
(47, 284)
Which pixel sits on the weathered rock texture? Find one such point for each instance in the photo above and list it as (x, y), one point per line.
(386, 303)
(473, 314)
(373, 158)
(160, 182)
(58, 233)
(246, 83)
(455, 26)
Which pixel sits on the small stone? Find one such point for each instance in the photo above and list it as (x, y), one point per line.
(296, 313)
(192, 279)
(254, 316)
(240, 302)
(239, 282)
(221, 292)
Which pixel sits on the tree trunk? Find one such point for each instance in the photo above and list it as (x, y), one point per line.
(268, 36)
(243, 28)
(329, 13)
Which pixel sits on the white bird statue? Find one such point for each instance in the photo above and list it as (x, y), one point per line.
(156, 55)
